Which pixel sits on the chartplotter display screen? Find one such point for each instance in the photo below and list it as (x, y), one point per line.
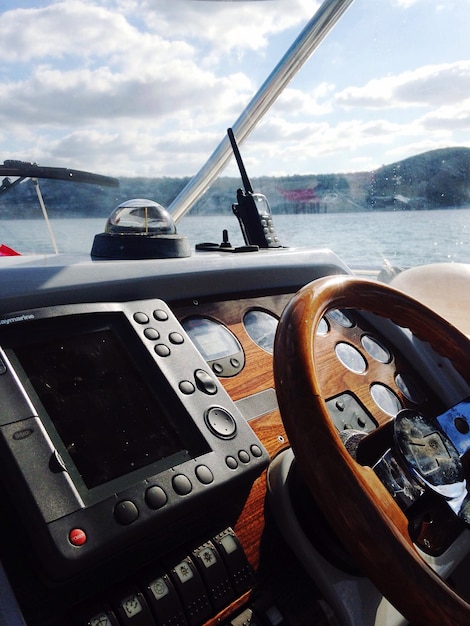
(110, 417)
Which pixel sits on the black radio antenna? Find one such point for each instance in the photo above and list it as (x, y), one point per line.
(238, 158)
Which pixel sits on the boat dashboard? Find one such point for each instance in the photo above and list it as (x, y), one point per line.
(139, 421)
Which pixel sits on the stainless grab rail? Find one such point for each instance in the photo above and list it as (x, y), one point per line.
(311, 36)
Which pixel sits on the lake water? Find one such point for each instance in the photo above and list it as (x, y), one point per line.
(402, 238)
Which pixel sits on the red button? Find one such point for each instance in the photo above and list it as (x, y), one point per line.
(77, 537)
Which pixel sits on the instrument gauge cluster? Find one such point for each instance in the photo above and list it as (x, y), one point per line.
(217, 344)
(378, 377)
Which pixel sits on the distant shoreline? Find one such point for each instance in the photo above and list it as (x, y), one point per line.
(415, 183)
(77, 215)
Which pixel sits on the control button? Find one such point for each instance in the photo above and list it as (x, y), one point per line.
(163, 599)
(187, 387)
(235, 560)
(214, 574)
(361, 421)
(152, 334)
(182, 485)
(77, 537)
(103, 618)
(235, 362)
(256, 451)
(176, 338)
(244, 456)
(204, 475)
(220, 422)
(159, 588)
(205, 382)
(131, 606)
(141, 318)
(133, 609)
(162, 350)
(126, 512)
(184, 571)
(160, 315)
(231, 462)
(155, 497)
(218, 368)
(190, 587)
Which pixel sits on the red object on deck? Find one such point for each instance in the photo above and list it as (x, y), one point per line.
(6, 251)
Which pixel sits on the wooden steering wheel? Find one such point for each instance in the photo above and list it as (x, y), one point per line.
(358, 506)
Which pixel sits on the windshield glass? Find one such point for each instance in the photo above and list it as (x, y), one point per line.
(366, 152)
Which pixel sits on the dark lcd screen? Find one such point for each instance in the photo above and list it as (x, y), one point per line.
(109, 417)
(212, 339)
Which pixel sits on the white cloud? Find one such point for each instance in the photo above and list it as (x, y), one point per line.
(424, 86)
(228, 26)
(65, 29)
(82, 97)
(312, 102)
(452, 117)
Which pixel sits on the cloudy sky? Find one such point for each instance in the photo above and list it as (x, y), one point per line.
(148, 87)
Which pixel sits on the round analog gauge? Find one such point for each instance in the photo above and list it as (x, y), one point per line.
(343, 318)
(261, 327)
(385, 399)
(375, 349)
(350, 357)
(410, 388)
(218, 346)
(323, 327)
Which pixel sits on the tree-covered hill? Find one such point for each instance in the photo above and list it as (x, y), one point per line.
(439, 178)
